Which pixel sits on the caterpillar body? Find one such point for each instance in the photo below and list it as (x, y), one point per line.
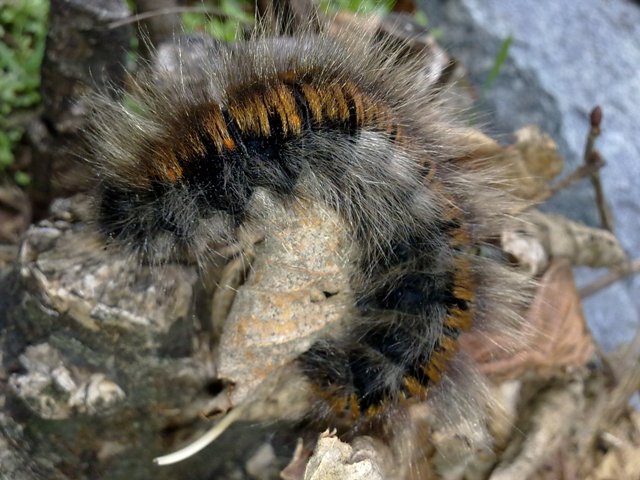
(344, 120)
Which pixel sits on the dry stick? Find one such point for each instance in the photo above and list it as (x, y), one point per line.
(201, 442)
(575, 176)
(168, 11)
(578, 174)
(610, 278)
(592, 156)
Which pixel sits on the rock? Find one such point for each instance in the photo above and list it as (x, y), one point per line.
(565, 58)
(100, 367)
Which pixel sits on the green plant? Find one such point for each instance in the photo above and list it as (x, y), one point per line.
(224, 27)
(361, 6)
(22, 35)
(501, 56)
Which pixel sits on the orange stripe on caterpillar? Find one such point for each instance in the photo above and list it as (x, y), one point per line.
(459, 319)
(337, 108)
(215, 127)
(252, 110)
(251, 114)
(354, 406)
(314, 101)
(440, 358)
(414, 388)
(460, 237)
(463, 285)
(375, 410)
(164, 165)
(288, 110)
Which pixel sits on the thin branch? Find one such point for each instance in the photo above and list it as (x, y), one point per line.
(200, 443)
(592, 156)
(170, 11)
(610, 278)
(577, 175)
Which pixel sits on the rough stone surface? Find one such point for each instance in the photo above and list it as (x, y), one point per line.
(565, 58)
(100, 368)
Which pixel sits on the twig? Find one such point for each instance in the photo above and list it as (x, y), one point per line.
(592, 156)
(197, 445)
(610, 278)
(577, 175)
(170, 11)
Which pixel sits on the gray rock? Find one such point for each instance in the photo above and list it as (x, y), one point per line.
(565, 58)
(103, 365)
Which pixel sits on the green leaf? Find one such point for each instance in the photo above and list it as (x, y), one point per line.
(498, 62)
(21, 178)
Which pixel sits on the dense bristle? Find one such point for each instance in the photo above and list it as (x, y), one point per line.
(339, 120)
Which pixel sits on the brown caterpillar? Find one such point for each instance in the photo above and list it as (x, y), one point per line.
(344, 120)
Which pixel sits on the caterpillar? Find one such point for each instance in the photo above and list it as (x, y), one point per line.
(344, 120)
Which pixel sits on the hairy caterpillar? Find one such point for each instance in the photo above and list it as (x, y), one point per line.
(344, 120)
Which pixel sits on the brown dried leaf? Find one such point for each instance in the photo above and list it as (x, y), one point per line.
(539, 153)
(559, 336)
(531, 162)
(527, 165)
(298, 285)
(539, 237)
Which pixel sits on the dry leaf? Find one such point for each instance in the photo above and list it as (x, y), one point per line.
(527, 165)
(232, 277)
(531, 162)
(559, 336)
(539, 153)
(539, 237)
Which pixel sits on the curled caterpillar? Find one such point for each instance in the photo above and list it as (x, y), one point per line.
(343, 120)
